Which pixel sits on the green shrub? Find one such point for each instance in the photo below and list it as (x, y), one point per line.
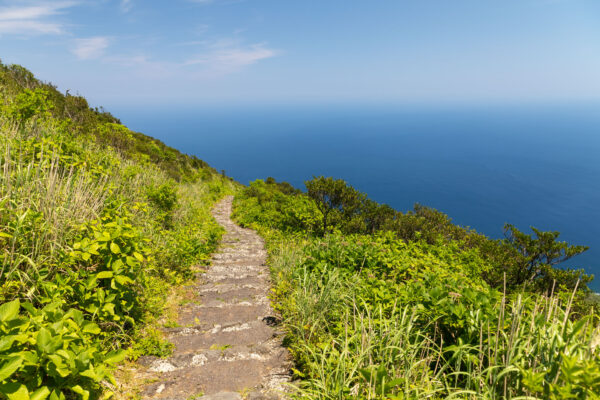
(406, 311)
(96, 223)
(164, 197)
(51, 353)
(152, 343)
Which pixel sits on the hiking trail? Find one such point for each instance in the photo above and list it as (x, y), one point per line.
(228, 346)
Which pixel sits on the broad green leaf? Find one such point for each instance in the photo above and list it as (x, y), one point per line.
(85, 394)
(40, 394)
(139, 257)
(65, 354)
(109, 308)
(59, 365)
(104, 237)
(10, 367)
(9, 310)
(115, 248)
(107, 394)
(76, 315)
(123, 280)
(115, 357)
(6, 342)
(56, 395)
(15, 391)
(93, 249)
(104, 275)
(90, 327)
(5, 235)
(43, 340)
(30, 357)
(90, 373)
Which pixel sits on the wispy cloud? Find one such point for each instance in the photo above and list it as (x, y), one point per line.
(144, 66)
(126, 5)
(226, 56)
(217, 59)
(215, 1)
(90, 48)
(33, 18)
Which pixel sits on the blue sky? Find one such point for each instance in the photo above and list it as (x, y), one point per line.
(119, 52)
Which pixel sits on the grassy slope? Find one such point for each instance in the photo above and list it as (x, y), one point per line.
(374, 316)
(96, 223)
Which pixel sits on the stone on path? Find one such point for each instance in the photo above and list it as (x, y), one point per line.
(228, 346)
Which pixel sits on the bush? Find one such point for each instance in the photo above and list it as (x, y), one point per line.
(51, 353)
(96, 221)
(407, 306)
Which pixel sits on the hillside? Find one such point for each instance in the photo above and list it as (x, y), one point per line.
(379, 304)
(100, 224)
(96, 223)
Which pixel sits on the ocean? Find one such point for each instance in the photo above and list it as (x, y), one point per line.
(482, 165)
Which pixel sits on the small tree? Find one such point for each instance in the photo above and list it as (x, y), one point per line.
(333, 195)
(538, 256)
(376, 215)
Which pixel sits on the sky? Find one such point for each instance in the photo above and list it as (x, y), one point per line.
(192, 52)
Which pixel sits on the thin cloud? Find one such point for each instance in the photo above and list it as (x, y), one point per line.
(219, 59)
(32, 19)
(143, 65)
(90, 48)
(226, 56)
(29, 27)
(215, 1)
(126, 5)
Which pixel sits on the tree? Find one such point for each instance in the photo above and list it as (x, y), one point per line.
(376, 215)
(538, 256)
(334, 195)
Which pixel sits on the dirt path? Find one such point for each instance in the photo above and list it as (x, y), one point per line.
(228, 346)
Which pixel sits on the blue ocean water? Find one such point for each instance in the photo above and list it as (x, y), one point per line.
(484, 166)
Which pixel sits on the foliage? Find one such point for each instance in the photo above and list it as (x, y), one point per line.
(539, 255)
(153, 343)
(25, 97)
(512, 262)
(410, 306)
(96, 221)
(266, 205)
(164, 197)
(51, 353)
(333, 196)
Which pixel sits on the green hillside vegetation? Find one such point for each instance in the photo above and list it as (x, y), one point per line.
(96, 223)
(379, 304)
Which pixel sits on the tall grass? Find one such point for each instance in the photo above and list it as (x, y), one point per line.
(96, 224)
(531, 347)
(45, 197)
(41, 206)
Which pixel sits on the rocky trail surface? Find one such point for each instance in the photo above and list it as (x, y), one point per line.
(227, 346)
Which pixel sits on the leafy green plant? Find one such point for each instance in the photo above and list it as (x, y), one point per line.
(110, 257)
(96, 223)
(151, 342)
(379, 315)
(51, 353)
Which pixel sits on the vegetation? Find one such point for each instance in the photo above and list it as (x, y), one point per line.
(382, 304)
(96, 221)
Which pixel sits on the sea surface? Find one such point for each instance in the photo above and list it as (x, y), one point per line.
(482, 165)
